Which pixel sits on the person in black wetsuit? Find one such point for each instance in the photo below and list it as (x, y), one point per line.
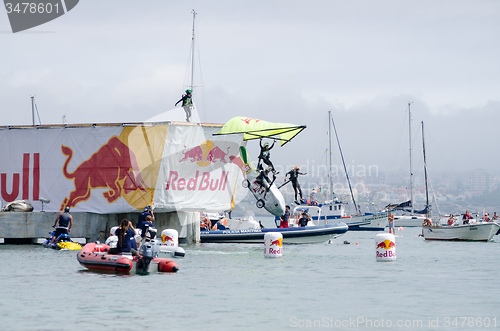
(294, 178)
(65, 223)
(265, 156)
(187, 103)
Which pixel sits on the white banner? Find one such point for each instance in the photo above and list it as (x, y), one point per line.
(196, 174)
(113, 169)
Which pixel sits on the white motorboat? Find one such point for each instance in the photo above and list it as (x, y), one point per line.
(474, 231)
(248, 230)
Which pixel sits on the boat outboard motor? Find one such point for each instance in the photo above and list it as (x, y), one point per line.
(156, 246)
(146, 254)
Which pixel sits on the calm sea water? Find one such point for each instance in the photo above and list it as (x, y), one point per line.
(430, 286)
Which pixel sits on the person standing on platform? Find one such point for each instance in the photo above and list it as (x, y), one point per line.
(391, 223)
(187, 103)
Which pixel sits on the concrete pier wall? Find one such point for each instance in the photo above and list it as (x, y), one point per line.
(19, 225)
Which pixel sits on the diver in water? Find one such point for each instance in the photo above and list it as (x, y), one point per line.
(187, 103)
(65, 223)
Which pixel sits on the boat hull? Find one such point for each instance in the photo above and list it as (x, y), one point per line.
(94, 257)
(368, 222)
(409, 221)
(294, 235)
(466, 232)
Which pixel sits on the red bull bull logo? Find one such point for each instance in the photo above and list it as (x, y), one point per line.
(386, 244)
(248, 120)
(165, 238)
(204, 154)
(113, 167)
(277, 242)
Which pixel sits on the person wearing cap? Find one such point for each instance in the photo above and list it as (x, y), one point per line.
(187, 103)
(142, 216)
(294, 178)
(265, 156)
(65, 223)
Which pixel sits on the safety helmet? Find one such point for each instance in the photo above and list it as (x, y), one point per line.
(266, 144)
(189, 91)
(147, 208)
(66, 209)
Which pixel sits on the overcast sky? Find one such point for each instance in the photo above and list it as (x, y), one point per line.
(280, 61)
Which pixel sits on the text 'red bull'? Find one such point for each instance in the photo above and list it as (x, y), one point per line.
(191, 184)
(113, 166)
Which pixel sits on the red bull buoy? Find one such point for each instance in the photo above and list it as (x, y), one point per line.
(385, 247)
(170, 237)
(273, 244)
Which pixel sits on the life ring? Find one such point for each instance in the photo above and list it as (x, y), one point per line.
(427, 222)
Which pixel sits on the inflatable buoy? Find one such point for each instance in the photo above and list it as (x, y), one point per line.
(385, 247)
(273, 244)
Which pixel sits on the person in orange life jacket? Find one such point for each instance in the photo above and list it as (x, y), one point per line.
(294, 178)
(284, 219)
(65, 223)
(265, 156)
(126, 241)
(142, 216)
(466, 217)
(187, 103)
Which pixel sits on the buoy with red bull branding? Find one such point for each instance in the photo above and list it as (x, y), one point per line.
(170, 237)
(170, 244)
(273, 244)
(385, 247)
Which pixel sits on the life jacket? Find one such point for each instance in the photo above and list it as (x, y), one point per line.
(64, 220)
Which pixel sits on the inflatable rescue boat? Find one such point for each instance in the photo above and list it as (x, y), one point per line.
(95, 256)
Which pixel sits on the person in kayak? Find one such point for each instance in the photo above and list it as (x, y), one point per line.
(187, 103)
(294, 178)
(65, 223)
(265, 156)
(126, 241)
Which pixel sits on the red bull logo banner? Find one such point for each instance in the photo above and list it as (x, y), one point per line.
(196, 172)
(116, 168)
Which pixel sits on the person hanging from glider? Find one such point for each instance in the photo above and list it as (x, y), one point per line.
(265, 156)
(187, 103)
(294, 178)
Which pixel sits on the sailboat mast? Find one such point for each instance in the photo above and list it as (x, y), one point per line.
(345, 169)
(192, 54)
(33, 110)
(411, 172)
(330, 188)
(425, 174)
